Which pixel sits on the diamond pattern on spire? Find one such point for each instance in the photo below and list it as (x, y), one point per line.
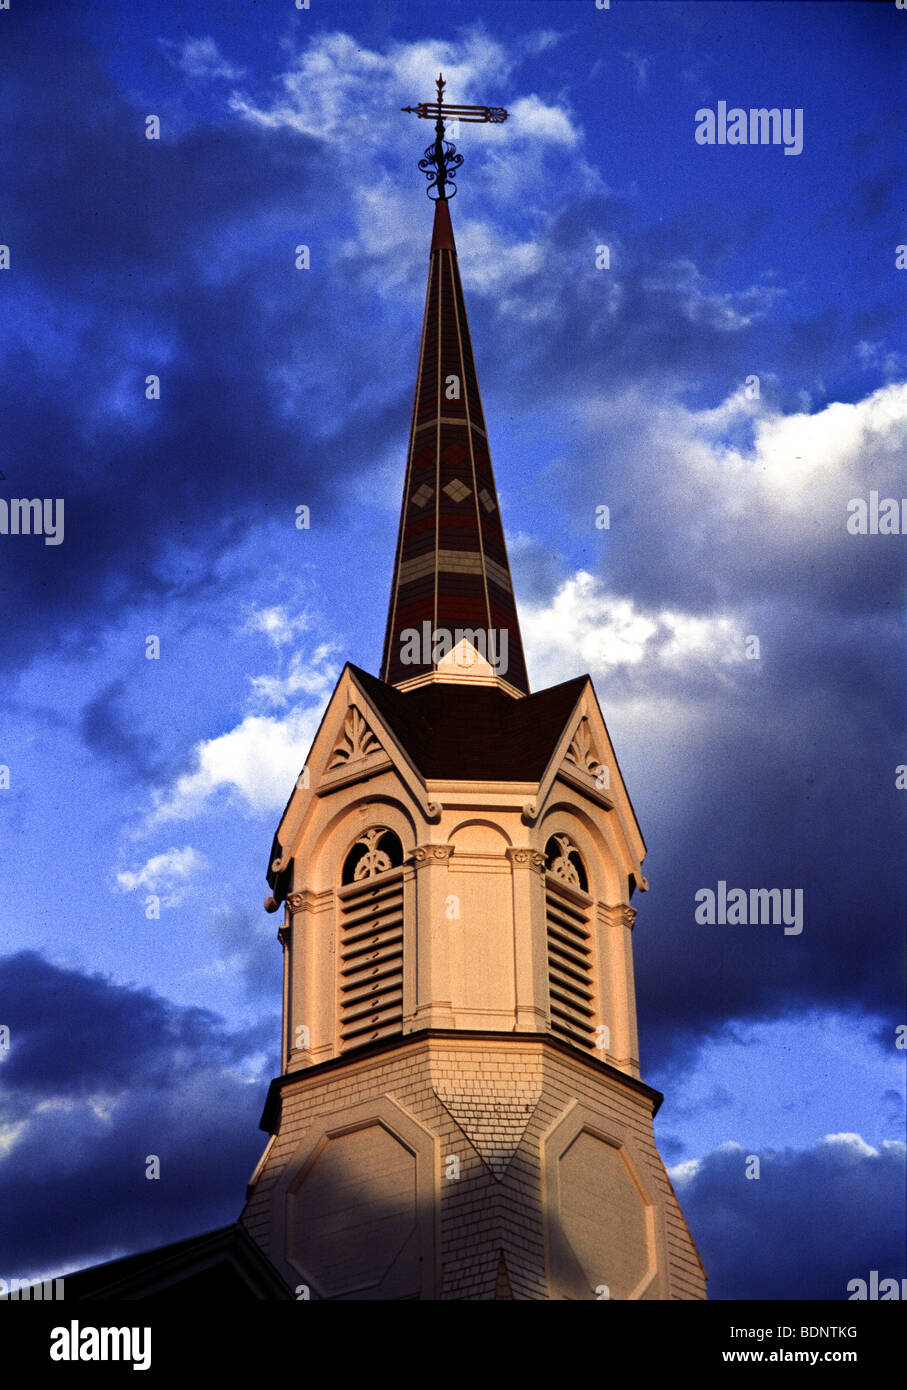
(422, 495)
(457, 490)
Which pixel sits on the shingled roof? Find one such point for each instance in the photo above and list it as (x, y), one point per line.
(472, 732)
(225, 1264)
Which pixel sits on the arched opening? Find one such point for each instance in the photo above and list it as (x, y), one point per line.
(375, 852)
(564, 861)
(370, 964)
(570, 991)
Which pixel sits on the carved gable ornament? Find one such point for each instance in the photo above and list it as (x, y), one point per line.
(357, 741)
(582, 753)
(584, 767)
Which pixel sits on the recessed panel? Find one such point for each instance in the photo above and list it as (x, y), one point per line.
(352, 1210)
(603, 1215)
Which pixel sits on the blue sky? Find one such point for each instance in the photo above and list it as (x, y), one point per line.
(622, 387)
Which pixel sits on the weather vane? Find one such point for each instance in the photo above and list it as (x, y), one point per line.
(441, 158)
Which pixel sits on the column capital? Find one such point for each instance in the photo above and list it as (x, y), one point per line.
(423, 854)
(619, 915)
(531, 858)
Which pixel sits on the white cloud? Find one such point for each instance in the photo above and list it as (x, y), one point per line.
(585, 627)
(10, 1134)
(257, 760)
(540, 40)
(102, 1106)
(748, 486)
(491, 263)
(277, 623)
(537, 121)
(798, 463)
(200, 59)
(892, 364)
(727, 312)
(855, 1142)
(302, 678)
(640, 68)
(684, 1172)
(599, 628)
(341, 92)
(337, 88)
(690, 1167)
(169, 875)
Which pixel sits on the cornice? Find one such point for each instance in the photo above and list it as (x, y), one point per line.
(270, 1118)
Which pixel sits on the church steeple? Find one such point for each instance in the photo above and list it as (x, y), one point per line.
(451, 574)
(460, 1112)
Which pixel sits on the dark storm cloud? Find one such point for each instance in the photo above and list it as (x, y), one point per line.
(106, 729)
(75, 1189)
(681, 308)
(104, 1075)
(659, 314)
(176, 258)
(251, 952)
(809, 1224)
(782, 771)
(74, 1034)
(711, 823)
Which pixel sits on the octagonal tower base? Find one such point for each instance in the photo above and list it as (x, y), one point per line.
(469, 1166)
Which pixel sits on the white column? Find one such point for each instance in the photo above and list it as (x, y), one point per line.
(622, 990)
(530, 946)
(434, 1008)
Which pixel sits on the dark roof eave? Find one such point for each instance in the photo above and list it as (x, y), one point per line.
(270, 1118)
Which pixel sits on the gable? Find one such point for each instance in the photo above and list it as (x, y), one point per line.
(458, 733)
(585, 760)
(353, 744)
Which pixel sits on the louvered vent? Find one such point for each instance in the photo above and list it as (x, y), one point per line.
(371, 940)
(569, 945)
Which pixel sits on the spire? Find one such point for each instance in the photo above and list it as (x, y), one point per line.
(452, 613)
(451, 573)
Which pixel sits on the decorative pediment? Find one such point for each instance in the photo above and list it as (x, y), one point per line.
(357, 741)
